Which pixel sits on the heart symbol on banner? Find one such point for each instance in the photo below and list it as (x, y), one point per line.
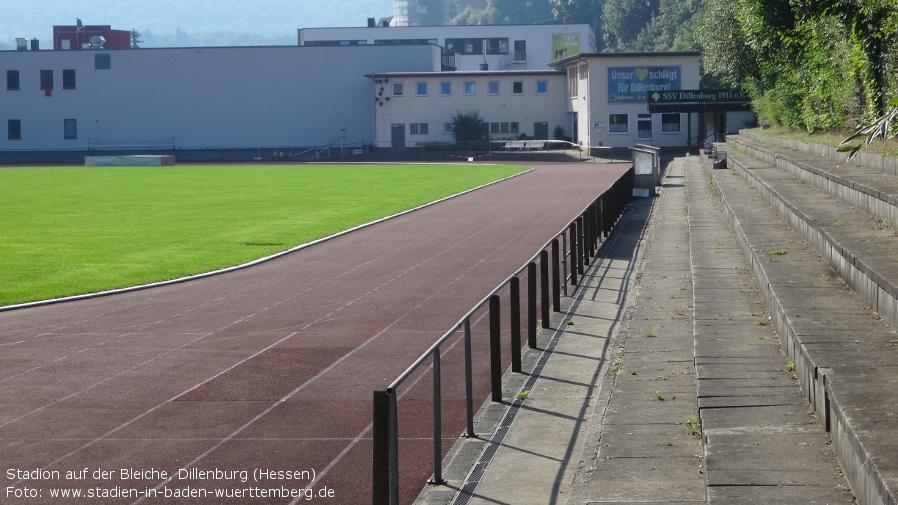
(642, 73)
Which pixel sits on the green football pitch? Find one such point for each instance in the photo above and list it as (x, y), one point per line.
(75, 230)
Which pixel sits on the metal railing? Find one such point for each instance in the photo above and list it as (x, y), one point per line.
(558, 261)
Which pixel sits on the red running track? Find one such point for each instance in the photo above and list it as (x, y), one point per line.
(270, 367)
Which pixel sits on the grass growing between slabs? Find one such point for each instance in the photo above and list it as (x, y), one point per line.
(74, 230)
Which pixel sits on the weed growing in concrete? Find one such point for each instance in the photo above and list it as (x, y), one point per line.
(694, 426)
(790, 366)
(522, 395)
(777, 252)
(659, 396)
(615, 366)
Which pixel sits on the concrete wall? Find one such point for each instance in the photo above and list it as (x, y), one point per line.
(203, 97)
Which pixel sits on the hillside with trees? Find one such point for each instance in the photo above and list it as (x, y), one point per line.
(810, 65)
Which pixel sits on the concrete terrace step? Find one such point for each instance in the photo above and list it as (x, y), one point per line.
(844, 353)
(762, 443)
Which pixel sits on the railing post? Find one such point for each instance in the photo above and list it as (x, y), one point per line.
(572, 231)
(564, 263)
(544, 285)
(437, 421)
(380, 437)
(495, 350)
(579, 226)
(556, 284)
(531, 305)
(593, 228)
(515, 301)
(601, 207)
(610, 210)
(611, 205)
(587, 236)
(394, 447)
(469, 381)
(583, 221)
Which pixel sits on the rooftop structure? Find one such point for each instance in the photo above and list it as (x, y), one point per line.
(81, 36)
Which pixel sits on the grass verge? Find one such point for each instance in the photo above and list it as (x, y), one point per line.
(74, 230)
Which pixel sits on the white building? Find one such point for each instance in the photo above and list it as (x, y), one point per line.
(391, 89)
(607, 98)
(217, 98)
(501, 47)
(416, 108)
(596, 99)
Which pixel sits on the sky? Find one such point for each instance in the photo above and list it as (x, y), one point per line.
(162, 17)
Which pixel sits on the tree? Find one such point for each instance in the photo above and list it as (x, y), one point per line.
(623, 20)
(665, 31)
(726, 54)
(506, 12)
(469, 127)
(135, 39)
(580, 11)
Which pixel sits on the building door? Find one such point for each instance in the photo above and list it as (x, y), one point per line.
(541, 130)
(520, 51)
(397, 137)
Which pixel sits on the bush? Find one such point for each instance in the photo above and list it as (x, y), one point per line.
(469, 127)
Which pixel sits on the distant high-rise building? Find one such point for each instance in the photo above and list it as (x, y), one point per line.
(419, 12)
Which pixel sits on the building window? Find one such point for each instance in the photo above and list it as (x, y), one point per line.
(424, 128)
(404, 42)
(493, 87)
(542, 87)
(12, 80)
(476, 46)
(644, 127)
(470, 89)
(71, 128)
(515, 127)
(670, 123)
(503, 127)
(421, 89)
(447, 128)
(413, 128)
(445, 89)
(46, 79)
(14, 129)
(68, 79)
(102, 61)
(517, 87)
(573, 81)
(397, 89)
(494, 128)
(617, 123)
(418, 129)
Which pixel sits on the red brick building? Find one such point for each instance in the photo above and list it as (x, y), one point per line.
(82, 37)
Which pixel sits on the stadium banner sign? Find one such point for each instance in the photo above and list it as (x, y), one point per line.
(564, 45)
(630, 84)
(699, 96)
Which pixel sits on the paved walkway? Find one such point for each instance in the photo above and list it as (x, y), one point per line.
(668, 322)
